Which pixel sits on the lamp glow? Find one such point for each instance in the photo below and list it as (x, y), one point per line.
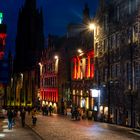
(55, 57)
(95, 92)
(79, 51)
(91, 26)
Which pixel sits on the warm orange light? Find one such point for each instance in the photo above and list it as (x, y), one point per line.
(91, 26)
(79, 51)
(88, 74)
(74, 68)
(39, 64)
(78, 76)
(55, 57)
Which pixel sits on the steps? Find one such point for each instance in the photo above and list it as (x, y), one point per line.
(136, 131)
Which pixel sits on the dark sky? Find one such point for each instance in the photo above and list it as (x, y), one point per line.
(57, 15)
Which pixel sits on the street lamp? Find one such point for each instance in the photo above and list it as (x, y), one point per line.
(79, 51)
(56, 57)
(91, 26)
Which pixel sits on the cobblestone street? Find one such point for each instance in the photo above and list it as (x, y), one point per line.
(63, 128)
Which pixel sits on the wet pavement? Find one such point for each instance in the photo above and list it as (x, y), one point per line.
(58, 127)
(17, 132)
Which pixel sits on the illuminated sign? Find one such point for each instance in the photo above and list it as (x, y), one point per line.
(95, 108)
(95, 92)
(1, 17)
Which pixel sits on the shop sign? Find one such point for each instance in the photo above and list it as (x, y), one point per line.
(94, 93)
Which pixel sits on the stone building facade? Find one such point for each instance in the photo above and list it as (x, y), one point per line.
(82, 69)
(117, 63)
(29, 44)
(48, 65)
(55, 73)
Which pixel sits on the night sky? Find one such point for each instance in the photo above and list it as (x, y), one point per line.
(57, 15)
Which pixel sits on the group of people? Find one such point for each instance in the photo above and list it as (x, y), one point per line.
(47, 110)
(22, 115)
(75, 113)
(13, 113)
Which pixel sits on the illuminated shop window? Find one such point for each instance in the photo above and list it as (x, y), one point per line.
(73, 92)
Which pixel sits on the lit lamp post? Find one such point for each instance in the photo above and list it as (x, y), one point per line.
(92, 28)
(56, 69)
(56, 57)
(79, 51)
(95, 93)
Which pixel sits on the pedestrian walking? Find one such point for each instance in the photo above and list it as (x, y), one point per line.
(50, 109)
(29, 110)
(14, 116)
(34, 118)
(23, 113)
(10, 118)
(43, 110)
(46, 110)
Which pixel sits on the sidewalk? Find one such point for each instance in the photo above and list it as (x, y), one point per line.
(17, 132)
(28, 122)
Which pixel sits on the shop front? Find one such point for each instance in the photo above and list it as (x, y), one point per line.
(49, 97)
(84, 101)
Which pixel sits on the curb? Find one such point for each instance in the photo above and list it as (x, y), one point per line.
(135, 133)
(35, 132)
(136, 130)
